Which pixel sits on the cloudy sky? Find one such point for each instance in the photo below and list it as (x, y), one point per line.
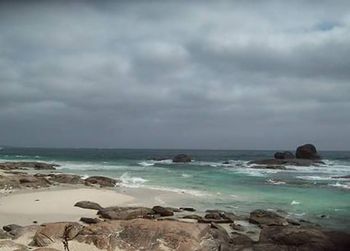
(175, 74)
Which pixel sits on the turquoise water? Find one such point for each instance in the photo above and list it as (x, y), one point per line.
(306, 192)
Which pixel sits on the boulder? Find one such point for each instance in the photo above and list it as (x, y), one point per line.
(284, 155)
(296, 237)
(90, 220)
(102, 181)
(269, 218)
(124, 213)
(51, 232)
(213, 216)
(193, 217)
(11, 227)
(88, 205)
(162, 211)
(188, 209)
(182, 158)
(307, 151)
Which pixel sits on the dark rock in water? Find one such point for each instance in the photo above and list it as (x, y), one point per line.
(188, 209)
(263, 217)
(90, 220)
(284, 155)
(88, 205)
(226, 162)
(162, 211)
(124, 213)
(102, 181)
(307, 151)
(341, 177)
(182, 158)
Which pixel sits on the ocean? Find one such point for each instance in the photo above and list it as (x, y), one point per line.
(304, 192)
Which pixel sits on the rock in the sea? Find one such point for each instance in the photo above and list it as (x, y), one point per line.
(182, 158)
(162, 211)
(284, 155)
(102, 181)
(280, 163)
(341, 177)
(269, 218)
(307, 151)
(188, 209)
(124, 213)
(192, 217)
(88, 205)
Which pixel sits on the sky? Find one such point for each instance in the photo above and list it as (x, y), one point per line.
(175, 74)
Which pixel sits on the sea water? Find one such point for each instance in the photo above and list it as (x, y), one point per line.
(301, 192)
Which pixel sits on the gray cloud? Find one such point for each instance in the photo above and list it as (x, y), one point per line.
(175, 74)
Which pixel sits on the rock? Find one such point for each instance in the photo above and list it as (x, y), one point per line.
(214, 216)
(341, 240)
(300, 238)
(241, 239)
(163, 235)
(90, 220)
(162, 211)
(192, 217)
(51, 232)
(237, 227)
(33, 182)
(88, 205)
(11, 227)
(66, 178)
(124, 213)
(307, 151)
(188, 209)
(263, 217)
(22, 165)
(284, 155)
(102, 181)
(182, 158)
(341, 177)
(4, 235)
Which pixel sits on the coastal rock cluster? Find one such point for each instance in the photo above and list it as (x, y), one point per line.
(305, 155)
(140, 228)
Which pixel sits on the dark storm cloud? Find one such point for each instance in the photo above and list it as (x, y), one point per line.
(175, 74)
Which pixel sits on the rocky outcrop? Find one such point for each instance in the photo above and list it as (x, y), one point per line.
(182, 158)
(52, 232)
(307, 151)
(88, 205)
(281, 163)
(269, 218)
(162, 211)
(284, 155)
(101, 181)
(24, 165)
(341, 177)
(65, 178)
(124, 213)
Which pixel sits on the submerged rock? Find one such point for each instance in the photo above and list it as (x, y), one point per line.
(182, 158)
(307, 151)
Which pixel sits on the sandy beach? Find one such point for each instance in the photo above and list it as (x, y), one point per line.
(49, 205)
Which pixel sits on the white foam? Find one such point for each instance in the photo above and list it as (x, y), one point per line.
(294, 202)
(309, 177)
(129, 181)
(145, 163)
(185, 175)
(180, 191)
(341, 185)
(276, 182)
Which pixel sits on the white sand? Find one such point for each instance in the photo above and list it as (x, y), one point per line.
(55, 205)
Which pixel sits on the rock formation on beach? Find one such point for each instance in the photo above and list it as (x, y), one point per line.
(307, 151)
